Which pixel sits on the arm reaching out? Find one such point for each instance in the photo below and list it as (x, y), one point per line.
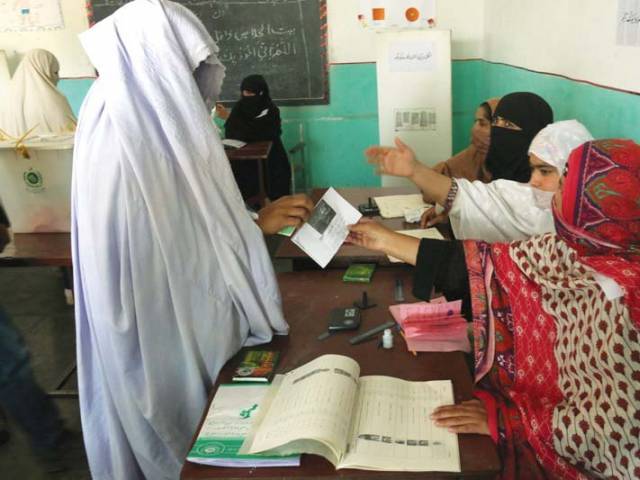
(400, 161)
(372, 235)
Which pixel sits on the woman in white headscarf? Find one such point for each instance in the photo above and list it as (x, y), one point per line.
(500, 211)
(33, 101)
(172, 275)
(505, 210)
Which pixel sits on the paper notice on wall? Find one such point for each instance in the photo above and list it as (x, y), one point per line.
(30, 15)
(412, 57)
(414, 119)
(628, 23)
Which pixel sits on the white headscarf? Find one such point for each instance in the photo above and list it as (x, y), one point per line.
(504, 210)
(33, 100)
(172, 276)
(555, 142)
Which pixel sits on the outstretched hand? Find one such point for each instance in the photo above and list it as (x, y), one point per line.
(399, 161)
(369, 234)
(467, 417)
(288, 211)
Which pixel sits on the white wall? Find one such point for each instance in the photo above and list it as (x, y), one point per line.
(63, 43)
(429, 89)
(575, 38)
(350, 43)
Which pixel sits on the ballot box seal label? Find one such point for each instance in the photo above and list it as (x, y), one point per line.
(33, 179)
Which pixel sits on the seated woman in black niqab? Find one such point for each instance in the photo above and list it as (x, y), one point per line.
(256, 118)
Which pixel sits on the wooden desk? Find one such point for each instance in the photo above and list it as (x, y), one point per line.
(350, 253)
(257, 152)
(38, 250)
(308, 297)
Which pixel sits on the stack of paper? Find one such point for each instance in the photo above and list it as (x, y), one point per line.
(228, 422)
(433, 327)
(394, 206)
(418, 233)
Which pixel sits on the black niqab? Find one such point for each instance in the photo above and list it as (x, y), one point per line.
(253, 119)
(508, 156)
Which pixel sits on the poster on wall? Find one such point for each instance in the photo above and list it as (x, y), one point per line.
(628, 23)
(412, 119)
(397, 14)
(30, 15)
(412, 57)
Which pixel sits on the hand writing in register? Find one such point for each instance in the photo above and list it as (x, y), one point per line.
(374, 236)
(399, 161)
(468, 417)
(288, 211)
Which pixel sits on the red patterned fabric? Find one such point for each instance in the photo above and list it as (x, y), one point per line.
(561, 359)
(600, 213)
(498, 296)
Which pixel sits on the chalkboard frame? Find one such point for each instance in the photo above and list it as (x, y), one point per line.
(324, 100)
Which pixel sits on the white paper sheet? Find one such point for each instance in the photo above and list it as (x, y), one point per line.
(412, 57)
(418, 233)
(30, 16)
(394, 206)
(628, 23)
(230, 142)
(325, 231)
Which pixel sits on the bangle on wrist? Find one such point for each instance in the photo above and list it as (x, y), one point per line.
(451, 196)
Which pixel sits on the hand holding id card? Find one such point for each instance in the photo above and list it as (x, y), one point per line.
(325, 231)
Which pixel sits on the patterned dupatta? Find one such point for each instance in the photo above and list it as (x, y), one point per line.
(550, 342)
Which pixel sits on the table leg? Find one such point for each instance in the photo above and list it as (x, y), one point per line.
(58, 391)
(263, 183)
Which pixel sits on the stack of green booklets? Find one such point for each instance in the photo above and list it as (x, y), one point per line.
(229, 420)
(359, 273)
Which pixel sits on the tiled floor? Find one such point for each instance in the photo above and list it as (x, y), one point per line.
(34, 299)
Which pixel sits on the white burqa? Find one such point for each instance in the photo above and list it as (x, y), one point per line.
(504, 210)
(171, 274)
(33, 101)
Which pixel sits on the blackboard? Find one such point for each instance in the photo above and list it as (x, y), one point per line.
(284, 40)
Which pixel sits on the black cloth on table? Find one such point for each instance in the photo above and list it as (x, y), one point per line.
(441, 265)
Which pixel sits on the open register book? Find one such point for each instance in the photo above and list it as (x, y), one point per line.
(372, 423)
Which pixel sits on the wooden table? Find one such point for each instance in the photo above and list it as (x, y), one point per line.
(308, 297)
(38, 250)
(350, 253)
(257, 152)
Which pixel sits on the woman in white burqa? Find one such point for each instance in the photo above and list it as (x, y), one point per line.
(172, 275)
(33, 102)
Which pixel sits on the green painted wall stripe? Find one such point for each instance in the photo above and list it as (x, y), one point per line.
(336, 134)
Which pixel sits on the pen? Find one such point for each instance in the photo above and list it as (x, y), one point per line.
(371, 332)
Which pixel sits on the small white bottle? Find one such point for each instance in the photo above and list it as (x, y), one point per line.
(387, 339)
